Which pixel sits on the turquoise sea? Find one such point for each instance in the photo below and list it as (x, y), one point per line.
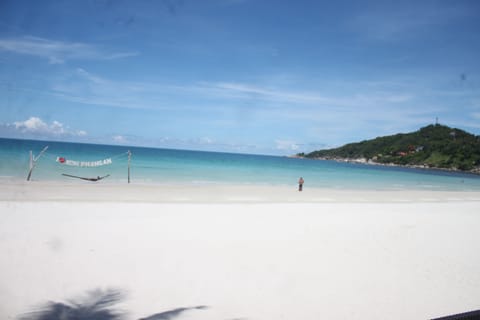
(167, 166)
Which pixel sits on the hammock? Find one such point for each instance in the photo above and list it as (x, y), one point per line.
(87, 179)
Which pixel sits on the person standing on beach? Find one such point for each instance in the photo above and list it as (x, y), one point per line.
(300, 184)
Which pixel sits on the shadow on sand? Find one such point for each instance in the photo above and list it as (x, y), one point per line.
(97, 305)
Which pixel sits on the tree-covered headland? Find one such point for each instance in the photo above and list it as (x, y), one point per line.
(433, 146)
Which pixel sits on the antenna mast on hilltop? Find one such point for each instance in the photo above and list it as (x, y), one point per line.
(436, 121)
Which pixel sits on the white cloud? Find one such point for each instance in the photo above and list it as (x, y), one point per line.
(287, 145)
(280, 95)
(37, 126)
(241, 90)
(90, 77)
(33, 124)
(57, 128)
(119, 139)
(89, 88)
(59, 51)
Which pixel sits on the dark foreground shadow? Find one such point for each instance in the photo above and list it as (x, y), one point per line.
(97, 305)
(471, 315)
(171, 314)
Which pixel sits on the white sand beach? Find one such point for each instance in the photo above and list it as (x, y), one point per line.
(245, 252)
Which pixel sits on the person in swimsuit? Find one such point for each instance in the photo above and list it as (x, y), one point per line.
(300, 184)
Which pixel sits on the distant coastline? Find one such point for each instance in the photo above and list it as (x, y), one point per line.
(366, 161)
(199, 169)
(435, 147)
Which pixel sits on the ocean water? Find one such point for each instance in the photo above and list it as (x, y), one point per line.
(167, 166)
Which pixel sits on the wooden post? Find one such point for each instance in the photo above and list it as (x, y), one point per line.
(33, 161)
(129, 157)
(30, 169)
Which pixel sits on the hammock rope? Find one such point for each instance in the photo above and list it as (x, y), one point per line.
(81, 164)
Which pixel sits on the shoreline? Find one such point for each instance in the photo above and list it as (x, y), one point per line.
(38, 191)
(241, 250)
(365, 161)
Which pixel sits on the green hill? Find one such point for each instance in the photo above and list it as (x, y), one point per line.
(434, 146)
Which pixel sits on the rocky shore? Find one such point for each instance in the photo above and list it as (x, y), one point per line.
(366, 161)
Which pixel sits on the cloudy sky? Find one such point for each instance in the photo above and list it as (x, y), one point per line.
(250, 76)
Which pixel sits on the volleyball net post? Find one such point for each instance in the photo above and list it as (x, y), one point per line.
(33, 161)
(129, 158)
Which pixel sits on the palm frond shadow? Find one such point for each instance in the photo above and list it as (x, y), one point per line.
(97, 305)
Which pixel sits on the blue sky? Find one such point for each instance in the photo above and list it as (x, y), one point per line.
(249, 76)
